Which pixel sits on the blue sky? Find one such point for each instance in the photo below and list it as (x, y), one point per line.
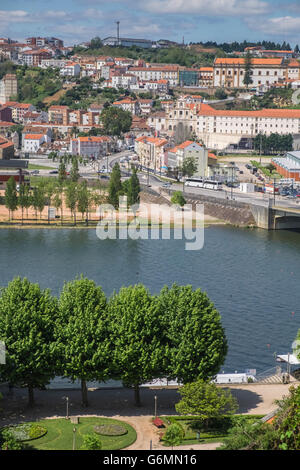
(197, 20)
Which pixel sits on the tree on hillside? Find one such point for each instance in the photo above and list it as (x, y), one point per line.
(27, 317)
(248, 70)
(115, 186)
(195, 340)
(82, 345)
(282, 434)
(11, 198)
(115, 121)
(136, 333)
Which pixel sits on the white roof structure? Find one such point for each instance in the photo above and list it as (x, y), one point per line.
(288, 358)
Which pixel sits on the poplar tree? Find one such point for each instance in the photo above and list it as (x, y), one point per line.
(11, 198)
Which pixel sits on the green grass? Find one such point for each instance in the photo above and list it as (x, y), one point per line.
(60, 434)
(216, 434)
(32, 166)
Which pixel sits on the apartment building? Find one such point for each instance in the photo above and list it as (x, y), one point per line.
(128, 104)
(59, 114)
(18, 110)
(206, 77)
(8, 87)
(34, 58)
(170, 73)
(91, 147)
(70, 69)
(32, 142)
(177, 155)
(151, 152)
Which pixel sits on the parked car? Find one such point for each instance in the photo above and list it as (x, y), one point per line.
(53, 172)
(35, 172)
(166, 185)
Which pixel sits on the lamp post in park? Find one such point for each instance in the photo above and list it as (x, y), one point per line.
(155, 406)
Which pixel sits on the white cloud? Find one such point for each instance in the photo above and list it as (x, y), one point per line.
(206, 8)
(14, 16)
(285, 25)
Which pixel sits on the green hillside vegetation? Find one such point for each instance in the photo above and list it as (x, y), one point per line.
(172, 55)
(34, 83)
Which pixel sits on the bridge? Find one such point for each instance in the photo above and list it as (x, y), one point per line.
(276, 216)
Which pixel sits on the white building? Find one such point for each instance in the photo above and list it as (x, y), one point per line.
(33, 142)
(91, 147)
(71, 69)
(230, 72)
(169, 73)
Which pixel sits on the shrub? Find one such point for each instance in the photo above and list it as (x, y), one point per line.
(110, 430)
(91, 442)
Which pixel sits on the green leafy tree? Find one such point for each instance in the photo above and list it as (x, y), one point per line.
(195, 342)
(205, 400)
(82, 344)
(137, 337)
(62, 173)
(116, 121)
(189, 166)
(24, 198)
(174, 435)
(27, 316)
(91, 442)
(8, 441)
(74, 173)
(133, 190)
(177, 198)
(83, 198)
(115, 186)
(11, 198)
(71, 195)
(38, 199)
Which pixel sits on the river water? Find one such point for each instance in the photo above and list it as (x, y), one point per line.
(252, 276)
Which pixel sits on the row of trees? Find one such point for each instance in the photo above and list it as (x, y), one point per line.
(133, 336)
(130, 188)
(77, 197)
(273, 144)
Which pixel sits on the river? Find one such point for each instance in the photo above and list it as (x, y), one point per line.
(252, 276)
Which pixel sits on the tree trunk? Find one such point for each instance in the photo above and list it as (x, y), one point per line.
(137, 398)
(84, 393)
(30, 396)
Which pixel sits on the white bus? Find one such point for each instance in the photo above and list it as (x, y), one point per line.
(202, 183)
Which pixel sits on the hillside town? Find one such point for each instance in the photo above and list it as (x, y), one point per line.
(185, 160)
(166, 102)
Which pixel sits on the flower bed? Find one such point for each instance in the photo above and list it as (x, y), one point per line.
(27, 431)
(110, 430)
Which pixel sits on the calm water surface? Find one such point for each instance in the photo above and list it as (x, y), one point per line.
(252, 276)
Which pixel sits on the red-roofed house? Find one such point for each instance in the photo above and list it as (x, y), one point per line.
(33, 142)
(177, 155)
(151, 152)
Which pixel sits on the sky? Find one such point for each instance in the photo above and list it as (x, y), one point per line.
(77, 21)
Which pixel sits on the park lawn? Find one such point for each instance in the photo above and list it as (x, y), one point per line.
(32, 166)
(207, 435)
(60, 434)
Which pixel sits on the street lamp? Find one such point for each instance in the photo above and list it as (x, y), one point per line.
(155, 406)
(67, 407)
(74, 438)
